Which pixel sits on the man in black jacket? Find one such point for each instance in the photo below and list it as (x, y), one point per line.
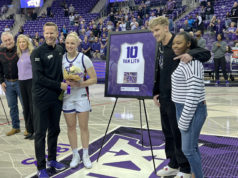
(168, 62)
(46, 87)
(234, 12)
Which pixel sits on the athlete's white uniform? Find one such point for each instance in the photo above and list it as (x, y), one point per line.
(77, 100)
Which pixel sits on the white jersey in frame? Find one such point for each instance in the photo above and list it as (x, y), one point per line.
(131, 64)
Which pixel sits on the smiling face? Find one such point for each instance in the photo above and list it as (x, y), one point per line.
(50, 35)
(71, 44)
(22, 44)
(180, 45)
(8, 41)
(159, 32)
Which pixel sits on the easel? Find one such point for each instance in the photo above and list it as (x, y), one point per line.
(148, 129)
(4, 111)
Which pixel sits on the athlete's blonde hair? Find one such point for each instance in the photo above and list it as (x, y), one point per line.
(161, 20)
(29, 44)
(74, 35)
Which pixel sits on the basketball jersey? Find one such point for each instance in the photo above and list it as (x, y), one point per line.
(80, 61)
(131, 64)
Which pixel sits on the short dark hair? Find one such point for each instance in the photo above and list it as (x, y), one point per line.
(188, 38)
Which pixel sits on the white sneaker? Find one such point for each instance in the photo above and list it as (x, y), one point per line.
(183, 175)
(167, 171)
(87, 162)
(75, 161)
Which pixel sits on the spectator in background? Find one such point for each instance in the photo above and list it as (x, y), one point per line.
(219, 49)
(110, 25)
(169, 6)
(227, 20)
(91, 38)
(51, 14)
(234, 12)
(186, 26)
(212, 25)
(134, 24)
(203, 3)
(231, 31)
(62, 43)
(209, 11)
(140, 21)
(152, 16)
(201, 42)
(128, 24)
(71, 9)
(96, 47)
(122, 25)
(86, 47)
(220, 28)
(71, 19)
(95, 31)
(21, 30)
(76, 19)
(103, 43)
(34, 15)
(66, 10)
(199, 22)
(88, 32)
(48, 10)
(82, 34)
(7, 29)
(37, 36)
(191, 22)
(4, 9)
(64, 30)
(203, 12)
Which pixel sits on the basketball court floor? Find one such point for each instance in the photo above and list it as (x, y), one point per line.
(123, 155)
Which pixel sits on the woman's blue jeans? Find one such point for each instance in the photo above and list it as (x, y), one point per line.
(190, 137)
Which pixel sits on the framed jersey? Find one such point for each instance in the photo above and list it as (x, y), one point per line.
(131, 64)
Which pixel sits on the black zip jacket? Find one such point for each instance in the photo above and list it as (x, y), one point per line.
(47, 72)
(167, 65)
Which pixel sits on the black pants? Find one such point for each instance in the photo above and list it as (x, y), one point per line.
(173, 146)
(220, 62)
(25, 89)
(47, 117)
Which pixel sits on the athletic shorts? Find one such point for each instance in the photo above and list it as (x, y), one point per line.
(76, 106)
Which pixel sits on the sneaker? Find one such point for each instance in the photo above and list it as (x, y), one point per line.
(13, 131)
(227, 84)
(57, 165)
(167, 171)
(87, 162)
(217, 83)
(75, 161)
(42, 173)
(183, 175)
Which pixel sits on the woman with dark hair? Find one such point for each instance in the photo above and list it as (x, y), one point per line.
(219, 50)
(188, 94)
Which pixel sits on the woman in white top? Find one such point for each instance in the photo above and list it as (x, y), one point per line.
(188, 94)
(76, 105)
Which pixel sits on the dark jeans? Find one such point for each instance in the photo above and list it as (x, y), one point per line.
(12, 92)
(25, 88)
(173, 147)
(47, 117)
(220, 62)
